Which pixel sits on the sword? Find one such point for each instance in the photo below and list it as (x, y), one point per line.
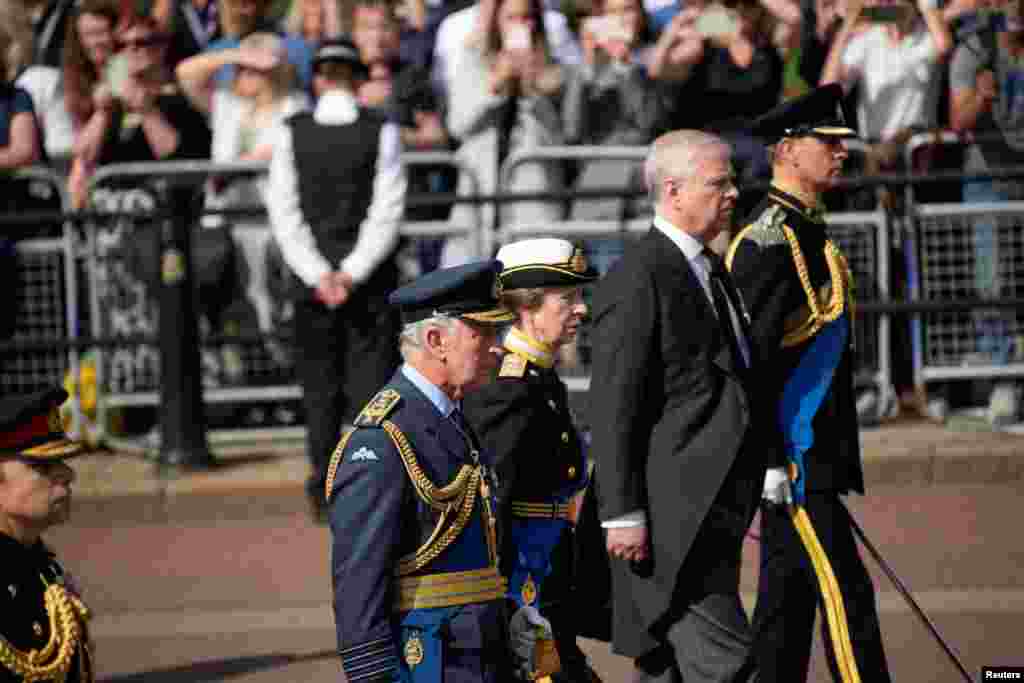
(905, 592)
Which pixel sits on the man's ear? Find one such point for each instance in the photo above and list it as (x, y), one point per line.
(436, 341)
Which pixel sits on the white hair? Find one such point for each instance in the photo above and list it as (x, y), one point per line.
(413, 335)
(675, 155)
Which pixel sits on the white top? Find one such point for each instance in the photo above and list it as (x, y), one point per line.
(378, 233)
(900, 83)
(45, 85)
(693, 250)
(232, 137)
(456, 28)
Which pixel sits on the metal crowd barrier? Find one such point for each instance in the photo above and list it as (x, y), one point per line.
(45, 303)
(863, 236)
(964, 251)
(121, 306)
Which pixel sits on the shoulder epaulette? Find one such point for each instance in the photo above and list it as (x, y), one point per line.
(512, 366)
(379, 407)
(767, 229)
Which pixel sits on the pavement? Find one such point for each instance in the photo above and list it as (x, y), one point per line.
(894, 453)
(221, 576)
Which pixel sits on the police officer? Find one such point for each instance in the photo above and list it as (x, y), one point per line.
(524, 422)
(43, 633)
(799, 290)
(335, 198)
(417, 591)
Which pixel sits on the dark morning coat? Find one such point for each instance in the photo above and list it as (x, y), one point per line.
(671, 415)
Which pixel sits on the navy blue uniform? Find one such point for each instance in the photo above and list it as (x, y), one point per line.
(417, 593)
(794, 279)
(524, 422)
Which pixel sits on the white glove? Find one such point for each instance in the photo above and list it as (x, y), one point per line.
(777, 488)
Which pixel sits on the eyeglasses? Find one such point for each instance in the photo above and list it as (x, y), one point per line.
(152, 41)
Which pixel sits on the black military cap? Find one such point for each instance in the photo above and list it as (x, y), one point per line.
(340, 50)
(32, 429)
(819, 112)
(545, 262)
(471, 291)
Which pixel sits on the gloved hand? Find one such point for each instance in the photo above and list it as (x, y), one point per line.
(526, 628)
(777, 488)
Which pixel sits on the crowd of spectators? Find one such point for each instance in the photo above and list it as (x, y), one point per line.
(91, 82)
(491, 77)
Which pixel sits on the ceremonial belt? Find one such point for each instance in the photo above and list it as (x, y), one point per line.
(542, 510)
(449, 589)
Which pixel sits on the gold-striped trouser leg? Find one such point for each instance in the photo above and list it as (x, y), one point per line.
(835, 612)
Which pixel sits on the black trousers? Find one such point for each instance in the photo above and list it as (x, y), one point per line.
(344, 356)
(788, 594)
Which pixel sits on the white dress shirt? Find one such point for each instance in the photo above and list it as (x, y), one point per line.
(378, 233)
(693, 250)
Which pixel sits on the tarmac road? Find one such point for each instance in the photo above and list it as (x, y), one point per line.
(235, 586)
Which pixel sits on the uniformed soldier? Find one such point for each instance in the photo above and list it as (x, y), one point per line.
(799, 290)
(417, 592)
(524, 422)
(43, 633)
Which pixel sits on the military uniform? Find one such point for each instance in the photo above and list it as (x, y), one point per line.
(418, 596)
(524, 421)
(43, 622)
(800, 293)
(33, 585)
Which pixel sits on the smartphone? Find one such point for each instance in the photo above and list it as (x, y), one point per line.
(605, 28)
(717, 20)
(517, 37)
(885, 14)
(116, 74)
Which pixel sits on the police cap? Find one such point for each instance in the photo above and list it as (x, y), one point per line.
(545, 262)
(819, 112)
(32, 429)
(342, 51)
(470, 291)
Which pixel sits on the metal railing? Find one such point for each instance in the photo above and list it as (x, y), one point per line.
(129, 376)
(966, 251)
(938, 232)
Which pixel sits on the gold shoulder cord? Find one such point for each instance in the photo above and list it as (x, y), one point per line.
(458, 497)
(68, 616)
(454, 502)
(842, 286)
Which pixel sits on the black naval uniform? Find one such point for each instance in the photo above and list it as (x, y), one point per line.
(347, 353)
(524, 422)
(782, 238)
(410, 605)
(26, 575)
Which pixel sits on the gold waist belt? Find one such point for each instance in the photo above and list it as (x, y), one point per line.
(449, 589)
(542, 510)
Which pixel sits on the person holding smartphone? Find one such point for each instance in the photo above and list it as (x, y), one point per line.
(987, 101)
(723, 55)
(505, 96)
(611, 100)
(896, 61)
